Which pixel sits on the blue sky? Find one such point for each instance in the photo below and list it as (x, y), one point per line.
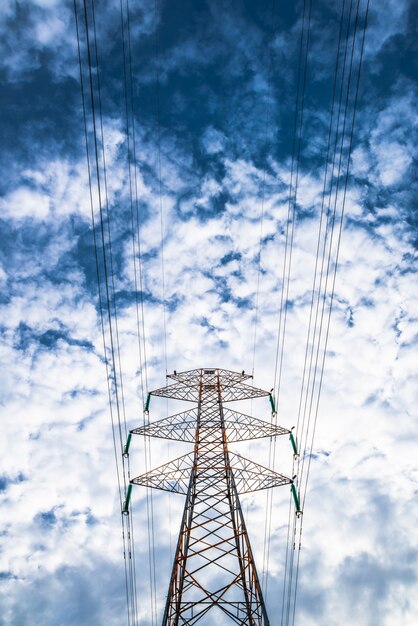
(227, 83)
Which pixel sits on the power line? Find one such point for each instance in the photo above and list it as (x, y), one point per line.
(289, 239)
(305, 454)
(305, 431)
(292, 197)
(334, 92)
(138, 274)
(349, 151)
(109, 289)
(101, 299)
(125, 460)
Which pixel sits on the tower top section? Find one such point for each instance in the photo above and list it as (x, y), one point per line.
(192, 384)
(225, 377)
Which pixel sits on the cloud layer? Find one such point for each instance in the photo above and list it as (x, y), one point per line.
(227, 85)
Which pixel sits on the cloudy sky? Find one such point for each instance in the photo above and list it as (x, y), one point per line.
(214, 90)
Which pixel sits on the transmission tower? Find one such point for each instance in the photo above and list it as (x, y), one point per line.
(214, 567)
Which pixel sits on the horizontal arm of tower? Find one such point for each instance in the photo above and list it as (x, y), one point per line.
(174, 476)
(191, 393)
(179, 427)
(250, 476)
(242, 427)
(182, 427)
(178, 391)
(242, 392)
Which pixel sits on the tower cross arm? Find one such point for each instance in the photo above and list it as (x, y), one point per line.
(181, 391)
(173, 476)
(250, 476)
(178, 391)
(189, 385)
(247, 475)
(179, 427)
(242, 392)
(182, 427)
(241, 427)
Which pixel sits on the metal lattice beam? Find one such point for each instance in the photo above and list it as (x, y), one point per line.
(182, 427)
(174, 476)
(188, 386)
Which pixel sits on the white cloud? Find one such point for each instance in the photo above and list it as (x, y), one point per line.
(26, 203)
(393, 161)
(213, 141)
(391, 146)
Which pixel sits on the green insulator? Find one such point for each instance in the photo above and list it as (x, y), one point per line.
(293, 442)
(127, 445)
(125, 509)
(273, 405)
(146, 409)
(295, 498)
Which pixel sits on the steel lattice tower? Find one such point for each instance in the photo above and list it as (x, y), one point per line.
(214, 564)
